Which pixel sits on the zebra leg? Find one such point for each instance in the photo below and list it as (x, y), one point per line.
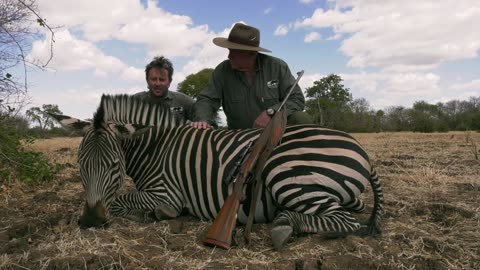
(334, 222)
(142, 206)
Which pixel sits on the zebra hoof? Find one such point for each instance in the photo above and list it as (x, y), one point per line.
(365, 231)
(163, 212)
(280, 235)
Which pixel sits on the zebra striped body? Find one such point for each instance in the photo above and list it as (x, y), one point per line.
(313, 178)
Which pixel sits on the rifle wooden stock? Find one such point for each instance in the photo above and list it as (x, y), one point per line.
(220, 232)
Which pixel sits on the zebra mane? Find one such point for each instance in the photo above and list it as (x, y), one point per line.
(127, 109)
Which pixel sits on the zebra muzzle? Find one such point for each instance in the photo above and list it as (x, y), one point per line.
(93, 217)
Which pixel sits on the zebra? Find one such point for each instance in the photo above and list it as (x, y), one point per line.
(312, 181)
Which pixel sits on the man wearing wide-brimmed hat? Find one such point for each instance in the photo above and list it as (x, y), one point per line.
(249, 85)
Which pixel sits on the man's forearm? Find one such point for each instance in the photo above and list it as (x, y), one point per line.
(205, 109)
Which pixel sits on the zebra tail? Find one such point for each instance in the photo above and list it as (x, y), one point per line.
(375, 220)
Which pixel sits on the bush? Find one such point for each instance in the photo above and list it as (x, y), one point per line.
(17, 163)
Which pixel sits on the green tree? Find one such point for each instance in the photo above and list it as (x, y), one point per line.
(450, 111)
(194, 83)
(397, 118)
(42, 116)
(427, 117)
(362, 117)
(469, 114)
(379, 121)
(327, 100)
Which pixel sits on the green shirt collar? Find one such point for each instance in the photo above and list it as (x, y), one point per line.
(168, 96)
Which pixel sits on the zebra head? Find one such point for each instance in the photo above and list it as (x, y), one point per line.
(100, 155)
(102, 170)
(101, 159)
(102, 166)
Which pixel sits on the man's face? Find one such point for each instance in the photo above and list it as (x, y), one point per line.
(158, 81)
(242, 60)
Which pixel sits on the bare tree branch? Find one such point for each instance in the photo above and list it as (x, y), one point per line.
(16, 18)
(22, 54)
(42, 23)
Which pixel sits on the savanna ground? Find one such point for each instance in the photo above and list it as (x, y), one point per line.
(432, 197)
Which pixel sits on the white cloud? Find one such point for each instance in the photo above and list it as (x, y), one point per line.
(401, 35)
(98, 20)
(334, 37)
(129, 21)
(472, 85)
(72, 54)
(308, 79)
(328, 18)
(281, 30)
(306, 1)
(209, 56)
(267, 10)
(383, 89)
(312, 36)
(171, 34)
(133, 74)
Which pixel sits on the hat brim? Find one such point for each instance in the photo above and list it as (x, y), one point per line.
(225, 43)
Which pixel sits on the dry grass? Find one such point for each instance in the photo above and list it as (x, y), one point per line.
(472, 143)
(431, 185)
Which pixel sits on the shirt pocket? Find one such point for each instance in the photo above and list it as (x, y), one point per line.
(234, 101)
(232, 92)
(270, 96)
(179, 112)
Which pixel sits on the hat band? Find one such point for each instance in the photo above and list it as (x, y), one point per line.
(243, 41)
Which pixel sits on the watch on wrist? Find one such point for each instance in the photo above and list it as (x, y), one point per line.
(270, 112)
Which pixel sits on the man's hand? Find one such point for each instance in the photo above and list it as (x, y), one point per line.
(262, 120)
(201, 125)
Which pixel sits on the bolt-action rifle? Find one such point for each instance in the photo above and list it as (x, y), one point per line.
(221, 230)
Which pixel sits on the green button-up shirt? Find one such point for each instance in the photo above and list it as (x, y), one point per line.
(242, 102)
(180, 104)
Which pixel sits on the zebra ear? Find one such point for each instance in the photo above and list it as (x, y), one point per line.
(71, 123)
(128, 131)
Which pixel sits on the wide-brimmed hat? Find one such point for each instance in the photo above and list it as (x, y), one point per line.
(241, 37)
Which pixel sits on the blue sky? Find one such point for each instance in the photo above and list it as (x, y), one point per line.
(389, 52)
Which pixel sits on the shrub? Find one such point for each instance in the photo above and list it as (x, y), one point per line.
(18, 163)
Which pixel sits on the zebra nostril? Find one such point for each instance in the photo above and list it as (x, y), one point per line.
(86, 222)
(93, 217)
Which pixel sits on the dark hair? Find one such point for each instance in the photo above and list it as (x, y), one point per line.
(160, 62)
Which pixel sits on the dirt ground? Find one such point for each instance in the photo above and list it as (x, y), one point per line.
(431, 184)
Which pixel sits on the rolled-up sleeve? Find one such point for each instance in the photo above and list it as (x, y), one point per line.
(209, 100)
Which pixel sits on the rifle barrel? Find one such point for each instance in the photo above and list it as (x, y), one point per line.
(299, 75)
